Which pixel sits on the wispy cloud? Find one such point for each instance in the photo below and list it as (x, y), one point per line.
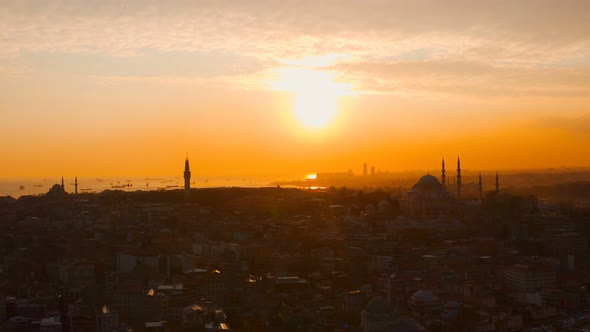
(470, 78)
(149, 63)
(122, 27)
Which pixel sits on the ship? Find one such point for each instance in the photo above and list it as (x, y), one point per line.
(121, 186)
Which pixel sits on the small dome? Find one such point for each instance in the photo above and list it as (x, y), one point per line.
(370, 209)
(452, 305)
(384, 206)
(379, 305)
(424, 296)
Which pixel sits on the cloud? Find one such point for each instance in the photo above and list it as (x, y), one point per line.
(276, 29)
(575, 124)
(493, 48)
(148, 64)
(468, 78)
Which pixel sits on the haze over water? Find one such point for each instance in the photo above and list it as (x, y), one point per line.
(36, 186)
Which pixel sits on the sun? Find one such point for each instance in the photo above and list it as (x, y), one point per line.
(314, 109)
(316, 95)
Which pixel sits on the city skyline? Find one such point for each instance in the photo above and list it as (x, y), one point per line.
(17, 187)
(295, 165)
(251, 89)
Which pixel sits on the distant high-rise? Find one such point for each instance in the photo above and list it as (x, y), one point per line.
(372, 170)
(459, 178)
(62, 184)
(497, 183)
(365, 169)
(480, 187)
(187, 180)
(76, 185)
(443, 177)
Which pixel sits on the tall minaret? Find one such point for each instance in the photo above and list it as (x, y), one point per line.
(187, 180)
(76, 185)
(480, 188)
(443, 176)
(459, 178)
(497, 184)
(62, 184)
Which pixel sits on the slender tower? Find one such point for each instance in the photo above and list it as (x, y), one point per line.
(443, 177)
(76, 185)
(187, 180)
(480, 188)
(497, 184)
(63, 313)
(62, 184)
(459, 178)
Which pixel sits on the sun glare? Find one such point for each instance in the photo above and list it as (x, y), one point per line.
(316, 95)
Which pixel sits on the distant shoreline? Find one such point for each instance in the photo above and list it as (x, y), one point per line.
(17, 187)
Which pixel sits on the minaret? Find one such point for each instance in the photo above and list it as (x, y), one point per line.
(459, 178)
(480, 188)
(497, 184)
(62, 184)
(443, 177)
(76, 185)
(187, 180)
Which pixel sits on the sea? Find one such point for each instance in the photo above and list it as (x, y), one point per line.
(35, 186)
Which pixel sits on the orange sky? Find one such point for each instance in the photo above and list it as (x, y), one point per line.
(291, 87)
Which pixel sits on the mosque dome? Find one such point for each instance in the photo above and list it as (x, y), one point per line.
(425, 302)
(423, 297)
(427, 183)
(379, 305)
(428, 180)
(56, 189)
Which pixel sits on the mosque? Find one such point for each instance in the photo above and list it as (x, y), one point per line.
(430, 198)
(57, 190)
